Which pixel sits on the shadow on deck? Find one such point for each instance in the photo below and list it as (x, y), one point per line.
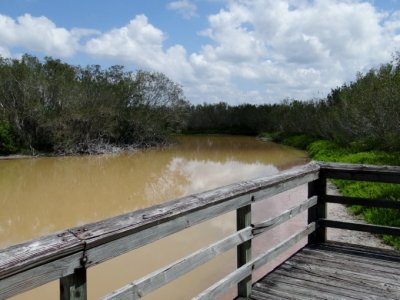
(333, 270)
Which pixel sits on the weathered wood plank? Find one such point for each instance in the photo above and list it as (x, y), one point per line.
(343, 270)
(359, 250)
(285, 216)
(390, 266)
(243, 220)
(348, 264)
(115, 236)
(317, 272)
(244, 271)
(39, 275)
(349, 278)
(115, 248)
(310, 290)
(34, 263)
(27, 255)
(360, 286)
(153, 281)
(258, 295)
(317, 188)
(363, 201)
(388, 174)
(73, 287)
(378, 229)
(117, 227)
(272, 291)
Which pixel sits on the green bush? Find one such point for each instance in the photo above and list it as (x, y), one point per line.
(8, 144)
(329, 151)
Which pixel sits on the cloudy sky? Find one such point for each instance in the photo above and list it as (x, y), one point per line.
(257, 51)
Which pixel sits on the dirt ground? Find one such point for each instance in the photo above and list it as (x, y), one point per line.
(340, 212)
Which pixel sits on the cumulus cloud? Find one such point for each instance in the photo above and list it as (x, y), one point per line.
(297, 49)
(39, 34)
(140, 43)
(185, 8)
(257, 50)
(263, 50)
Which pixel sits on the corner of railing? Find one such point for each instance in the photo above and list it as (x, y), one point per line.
(317, 188)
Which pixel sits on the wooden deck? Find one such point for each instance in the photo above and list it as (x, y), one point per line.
(328, 271)
(333, 271)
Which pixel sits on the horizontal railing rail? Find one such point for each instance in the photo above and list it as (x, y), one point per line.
(381, 174)
(68, 254)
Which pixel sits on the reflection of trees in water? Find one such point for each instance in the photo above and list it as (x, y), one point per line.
(187, 176)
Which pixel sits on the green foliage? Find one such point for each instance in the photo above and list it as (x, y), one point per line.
(223, 118)
(329, 151)
(7, 139)
(363, 115)
(55, 107)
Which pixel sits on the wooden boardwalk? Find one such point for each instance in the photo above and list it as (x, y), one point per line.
(319, 271)
(333, 271)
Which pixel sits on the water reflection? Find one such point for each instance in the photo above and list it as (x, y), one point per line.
(188, 176)
(39, 196)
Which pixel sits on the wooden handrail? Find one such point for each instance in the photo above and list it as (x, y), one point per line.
(66, 255)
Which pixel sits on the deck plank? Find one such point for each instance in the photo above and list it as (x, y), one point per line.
(333, 271)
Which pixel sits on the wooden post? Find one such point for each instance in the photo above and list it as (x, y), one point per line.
(243, 220)
(317, 188)
(73, 287)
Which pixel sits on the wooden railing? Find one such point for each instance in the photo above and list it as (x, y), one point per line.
(67, 255)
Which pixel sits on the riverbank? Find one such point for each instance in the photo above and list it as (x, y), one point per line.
(323, 150)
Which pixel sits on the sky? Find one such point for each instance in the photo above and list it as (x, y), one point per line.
(236, 51)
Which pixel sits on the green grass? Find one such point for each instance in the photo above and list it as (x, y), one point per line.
(323, 150)
(328, 151)
(301, 141)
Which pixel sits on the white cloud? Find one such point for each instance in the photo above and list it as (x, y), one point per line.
(185, 8)
(138, 40)
(263, 50)
(38, 34)
(258, 50)
(141, 43)
(298, 49)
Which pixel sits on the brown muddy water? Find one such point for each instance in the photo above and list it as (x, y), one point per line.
(44, 195)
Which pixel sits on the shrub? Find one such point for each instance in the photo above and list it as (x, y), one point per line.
(8, 144)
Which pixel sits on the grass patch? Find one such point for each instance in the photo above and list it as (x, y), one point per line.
(323, 150)
(301, 141)
(328, 151)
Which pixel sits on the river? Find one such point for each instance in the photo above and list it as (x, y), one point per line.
(44, 195)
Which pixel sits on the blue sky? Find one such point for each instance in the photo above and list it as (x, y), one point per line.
(258, 51)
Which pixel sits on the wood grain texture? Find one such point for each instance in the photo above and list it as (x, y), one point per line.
(153, 281)
(244, 271)
(378, 229)
(362, 201)
(115, 236)
(320, 271)
(74, 287)
(39, 275)
(27, 255)
(283, 217)
(28, 265)
(388, 174)
(243, 251)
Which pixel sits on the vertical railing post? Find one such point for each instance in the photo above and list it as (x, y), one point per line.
(317, 188)
(73, 287)
(243, 220)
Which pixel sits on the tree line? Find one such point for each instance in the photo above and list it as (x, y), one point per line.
(51, 106)
(364, 114)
